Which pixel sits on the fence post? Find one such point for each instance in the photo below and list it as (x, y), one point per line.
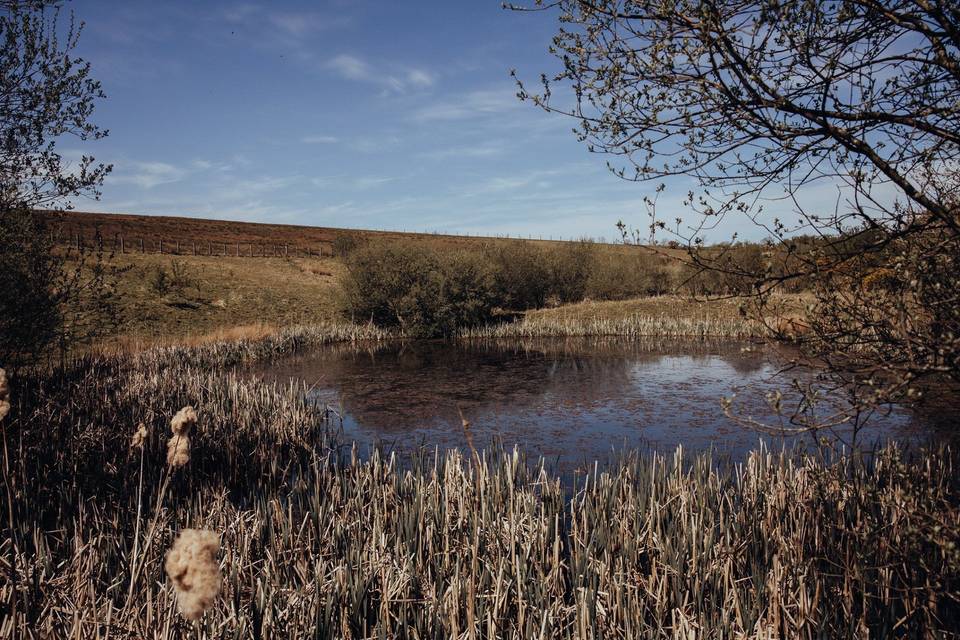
(141, 245)
(161, 246)
(122, 249)
(238, 249)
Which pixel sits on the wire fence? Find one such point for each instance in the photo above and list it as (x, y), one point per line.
(118, 243)
(121, 244)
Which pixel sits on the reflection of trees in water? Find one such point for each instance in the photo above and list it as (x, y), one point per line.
(568, 397)
(400, 385)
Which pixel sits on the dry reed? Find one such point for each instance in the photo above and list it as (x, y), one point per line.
(329, 545)
(695, 327)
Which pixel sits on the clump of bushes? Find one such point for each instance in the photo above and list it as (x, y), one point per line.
(422, 291)
(346, 242)
(176, 279)
(427, 291)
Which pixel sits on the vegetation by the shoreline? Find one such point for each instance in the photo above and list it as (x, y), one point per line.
(428, 292)
(196, 299)
(328, 545)
(634, 326)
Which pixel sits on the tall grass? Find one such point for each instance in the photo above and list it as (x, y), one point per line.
(635, 326)
(317, 541)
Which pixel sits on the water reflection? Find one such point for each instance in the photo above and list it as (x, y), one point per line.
(573, 400)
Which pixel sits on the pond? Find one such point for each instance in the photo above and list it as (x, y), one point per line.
(572, 401)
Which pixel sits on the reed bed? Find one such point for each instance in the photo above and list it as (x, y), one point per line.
(694, 327)
(318, 541)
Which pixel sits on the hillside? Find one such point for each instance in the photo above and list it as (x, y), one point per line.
(197, 236)
(183, 278)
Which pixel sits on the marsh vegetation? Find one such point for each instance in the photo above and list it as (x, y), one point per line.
(318, 540)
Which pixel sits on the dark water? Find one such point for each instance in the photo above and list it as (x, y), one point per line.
(570, 400)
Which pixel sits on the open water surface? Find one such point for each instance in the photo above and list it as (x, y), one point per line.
(572, 401)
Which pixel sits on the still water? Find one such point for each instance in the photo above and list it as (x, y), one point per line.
(570, 400)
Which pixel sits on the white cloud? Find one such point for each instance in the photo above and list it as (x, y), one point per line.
(469, 105)
(319, 140)
(396, 80)
(370, 182)
(481, 150)
(350, 67)
(291, 24)
(361, 183)
(420, 78)
(147, 175)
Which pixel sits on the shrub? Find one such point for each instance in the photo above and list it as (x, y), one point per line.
(422, 291)
(617, 277)
(346, 242)
(570, 268)
(521, 274)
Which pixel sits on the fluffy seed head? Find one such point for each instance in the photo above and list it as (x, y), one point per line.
(4, 395)
(192, 567)
(178, 450)
(184, 421)
(139, 436)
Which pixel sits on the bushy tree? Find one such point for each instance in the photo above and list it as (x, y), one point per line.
(46, 94)
(422, 291)
(522, 274)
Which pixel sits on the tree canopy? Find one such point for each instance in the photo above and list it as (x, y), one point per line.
(758, 100)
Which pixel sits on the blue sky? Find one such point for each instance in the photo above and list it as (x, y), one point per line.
(383, 115)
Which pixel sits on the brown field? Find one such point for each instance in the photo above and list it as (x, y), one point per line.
(220, 237)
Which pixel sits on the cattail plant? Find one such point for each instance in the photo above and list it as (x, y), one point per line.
(4, 395)
(192, 567)
(178, 446)
(139, 436)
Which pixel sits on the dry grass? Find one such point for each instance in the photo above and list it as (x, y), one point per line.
(667, 316)
(662, 316)
(318, 542)
(223, 298)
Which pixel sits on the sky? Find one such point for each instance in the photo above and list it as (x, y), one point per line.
(348, 113)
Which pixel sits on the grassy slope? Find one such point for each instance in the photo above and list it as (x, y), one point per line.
(256, 294)
(223, 292)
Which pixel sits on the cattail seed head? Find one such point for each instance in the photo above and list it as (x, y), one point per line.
(184, 421)
(4, 395)
(139, 437)
(178, 450)
(192, 567)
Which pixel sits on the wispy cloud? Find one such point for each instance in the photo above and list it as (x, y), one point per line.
(359, 183)
(480, 150)
(469, 105)
(396, 80)
(319, 140)
(375, 144)
(293, 24)
(146, 175)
